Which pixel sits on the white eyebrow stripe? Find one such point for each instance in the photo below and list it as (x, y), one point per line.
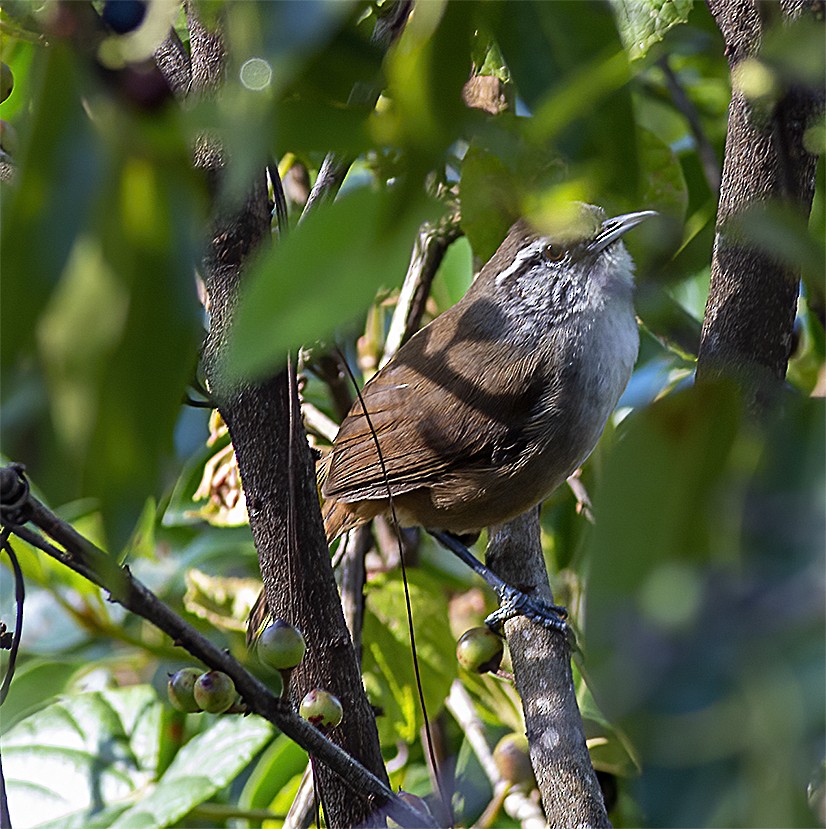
(521, 257)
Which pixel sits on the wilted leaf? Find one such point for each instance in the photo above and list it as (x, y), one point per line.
(224, 602)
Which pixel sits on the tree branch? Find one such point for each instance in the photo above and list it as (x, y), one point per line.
(93, 564)
(278, 474)
(542, 671)
(749, 319)
(428, 251)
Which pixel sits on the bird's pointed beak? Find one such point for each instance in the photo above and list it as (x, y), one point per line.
(613, 229)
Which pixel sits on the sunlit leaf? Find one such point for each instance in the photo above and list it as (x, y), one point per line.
(388, 665)
(224, 602)
(643, 23)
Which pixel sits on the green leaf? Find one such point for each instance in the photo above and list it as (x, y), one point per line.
(388, 664)
(664, 183)
(204, 765)
(91, 760)
(568, 63)
(324, 273)
(642, 23)
(36, 683)
(704, 609)
(276, 769)
(82, 754)
(490, 200)
(60, 167)
(454, 275)
(225, 602)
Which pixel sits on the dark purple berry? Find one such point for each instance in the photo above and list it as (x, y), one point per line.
(123, 16)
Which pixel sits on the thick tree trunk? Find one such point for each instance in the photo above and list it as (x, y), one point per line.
(278, 475)
(747, 330)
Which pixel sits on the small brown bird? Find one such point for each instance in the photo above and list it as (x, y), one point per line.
(490, 407)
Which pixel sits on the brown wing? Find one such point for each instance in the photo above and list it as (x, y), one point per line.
(451, 399)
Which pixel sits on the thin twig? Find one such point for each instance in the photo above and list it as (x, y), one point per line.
(708, 158)
(356, 543)
(19, 597)
(516, 803)
(278, 198)
(303, 805)
(428, 251)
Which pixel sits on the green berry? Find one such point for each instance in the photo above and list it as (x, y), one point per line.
(6, 81)
(181, 690)
(281, 646)
(513, 759)
(214, 692)
(321, 708)
(480, 650)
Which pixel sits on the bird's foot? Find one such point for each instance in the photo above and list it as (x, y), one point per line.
(513, 602)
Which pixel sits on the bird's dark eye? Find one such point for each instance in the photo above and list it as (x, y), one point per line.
(553, 253)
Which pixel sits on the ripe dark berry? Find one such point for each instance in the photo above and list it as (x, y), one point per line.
(480, 650)
(281, 646)
(321, 708)
(214, 692)
(6, 82)
(181, 690)
(123, 16)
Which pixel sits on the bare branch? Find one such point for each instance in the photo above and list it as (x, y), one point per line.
(542, 671)
(428, 252)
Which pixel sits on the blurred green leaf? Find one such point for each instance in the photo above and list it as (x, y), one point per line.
(783, 234)
(795, 48)
(36, 683)
(454, 275)
(704, 610)
(642, 23)
(664, 183)
(490, 202)
(344, 251)
(567, 61)
(60, 171)
(426, 71)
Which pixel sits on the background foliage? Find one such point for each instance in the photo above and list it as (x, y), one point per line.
(698, 593)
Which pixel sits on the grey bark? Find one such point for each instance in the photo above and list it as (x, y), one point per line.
(749, 319)
(542, 671)
(278, 476)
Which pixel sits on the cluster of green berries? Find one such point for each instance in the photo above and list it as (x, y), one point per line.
(280, 646)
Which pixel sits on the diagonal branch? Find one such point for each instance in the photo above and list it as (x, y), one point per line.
(89, 561)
